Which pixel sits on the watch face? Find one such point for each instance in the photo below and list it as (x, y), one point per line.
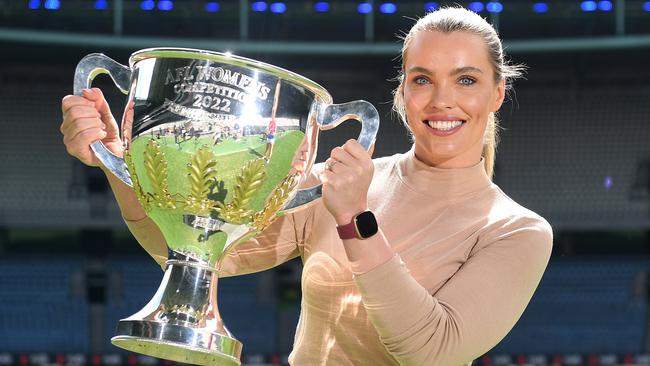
(366, 224)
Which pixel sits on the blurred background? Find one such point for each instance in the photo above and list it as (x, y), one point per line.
(575, 147)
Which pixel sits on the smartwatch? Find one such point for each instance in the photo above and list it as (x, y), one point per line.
(362, 226)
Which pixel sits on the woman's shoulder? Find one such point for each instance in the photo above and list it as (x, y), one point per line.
(507, 227)
(508, 217)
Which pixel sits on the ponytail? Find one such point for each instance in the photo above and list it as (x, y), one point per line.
(490, 145)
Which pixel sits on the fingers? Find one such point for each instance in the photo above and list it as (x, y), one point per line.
(83, 106)
(329, 164)
(81, 125)
(346, 179)
(354, 148)
(97, 97)
(77, 113)
(330, 179)
(347, 164)
(339, 155)
(79, 145)
(81, 142)
(83, 111)
(351, 155)
(70, 101)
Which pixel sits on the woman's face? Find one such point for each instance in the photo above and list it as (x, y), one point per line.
(449, 92)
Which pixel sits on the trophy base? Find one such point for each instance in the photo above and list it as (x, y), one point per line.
(178, 343)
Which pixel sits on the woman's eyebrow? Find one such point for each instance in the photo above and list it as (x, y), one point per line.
(420, 69)
(464, 69)
(456, 71)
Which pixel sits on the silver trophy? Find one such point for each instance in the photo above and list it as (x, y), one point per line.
(216, 147)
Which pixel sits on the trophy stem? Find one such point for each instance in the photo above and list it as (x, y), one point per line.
(182, 322)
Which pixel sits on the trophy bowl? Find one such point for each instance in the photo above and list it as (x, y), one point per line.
(216, 147)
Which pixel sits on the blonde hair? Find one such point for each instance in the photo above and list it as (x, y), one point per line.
(457, 19)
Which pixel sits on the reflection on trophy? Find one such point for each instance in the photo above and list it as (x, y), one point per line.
(216, 148)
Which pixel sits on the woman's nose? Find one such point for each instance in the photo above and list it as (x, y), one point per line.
(442, 97)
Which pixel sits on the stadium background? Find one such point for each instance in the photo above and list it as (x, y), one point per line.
(575, 147)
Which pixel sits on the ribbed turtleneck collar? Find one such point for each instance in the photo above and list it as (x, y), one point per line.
(442, 183)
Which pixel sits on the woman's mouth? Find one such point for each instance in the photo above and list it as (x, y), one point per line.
(444, 128)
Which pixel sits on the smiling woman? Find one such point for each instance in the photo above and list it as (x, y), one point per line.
(454, 77)
(411, 259)
(449, 97)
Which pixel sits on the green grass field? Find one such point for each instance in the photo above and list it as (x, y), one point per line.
(230, 157)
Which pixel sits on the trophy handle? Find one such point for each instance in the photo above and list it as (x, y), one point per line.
(87, 69)
(329, 117)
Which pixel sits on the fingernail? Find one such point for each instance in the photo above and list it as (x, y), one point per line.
(103, 126)
(87, 91)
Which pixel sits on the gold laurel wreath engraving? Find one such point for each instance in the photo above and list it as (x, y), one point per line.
(139, 192)
(262, 219)
(249, 181)
(202, 173)
(156, 166)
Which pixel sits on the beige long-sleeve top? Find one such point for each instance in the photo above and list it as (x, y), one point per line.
(468, 261)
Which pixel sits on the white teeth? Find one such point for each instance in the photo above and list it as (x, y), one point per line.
(444, 125)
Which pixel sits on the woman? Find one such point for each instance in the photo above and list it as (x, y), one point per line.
(452, 261)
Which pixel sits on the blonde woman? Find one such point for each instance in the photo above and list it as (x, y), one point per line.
(412, 259)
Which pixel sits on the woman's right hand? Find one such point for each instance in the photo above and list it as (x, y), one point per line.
(86, 119)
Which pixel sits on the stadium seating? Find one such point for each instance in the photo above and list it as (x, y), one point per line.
(39, 308)
(571, 156)
(583, 306)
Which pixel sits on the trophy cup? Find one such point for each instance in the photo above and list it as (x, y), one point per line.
(210, 145)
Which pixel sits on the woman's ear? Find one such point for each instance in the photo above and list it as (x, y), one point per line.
(499, 96)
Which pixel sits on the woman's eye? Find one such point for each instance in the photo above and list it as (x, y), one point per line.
(466, 80)
(421, 80)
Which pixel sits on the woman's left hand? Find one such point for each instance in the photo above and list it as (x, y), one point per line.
(346, 179)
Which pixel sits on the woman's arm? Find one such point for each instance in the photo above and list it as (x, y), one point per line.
(472, 312)
(87, 118)
(141, 226)
(283, 240)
